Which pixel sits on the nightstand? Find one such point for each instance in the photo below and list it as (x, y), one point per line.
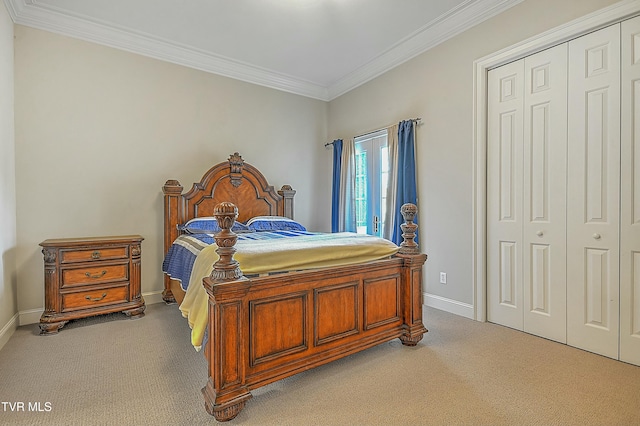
(90, 276)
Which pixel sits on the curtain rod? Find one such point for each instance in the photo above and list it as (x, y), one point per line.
(415, 120)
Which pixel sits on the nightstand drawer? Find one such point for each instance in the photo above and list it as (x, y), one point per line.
(93, 298)
(95, 275)
(93, 254)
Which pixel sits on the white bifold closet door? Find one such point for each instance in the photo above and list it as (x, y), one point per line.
(630, 195)
(594, 192)
(526, 173)
(563, 193)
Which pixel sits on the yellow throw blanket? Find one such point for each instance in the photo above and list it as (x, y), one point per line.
(278, 255)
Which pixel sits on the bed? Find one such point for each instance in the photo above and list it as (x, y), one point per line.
(265, 327)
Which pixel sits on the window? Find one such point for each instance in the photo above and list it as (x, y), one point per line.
(372, 171)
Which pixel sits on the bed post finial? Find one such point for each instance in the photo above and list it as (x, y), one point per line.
(409, 246)
(236, 163)
(226, 268)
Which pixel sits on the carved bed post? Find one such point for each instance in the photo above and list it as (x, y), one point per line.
(287, 193)
(411, 278)
(225, 392)
(173, 213)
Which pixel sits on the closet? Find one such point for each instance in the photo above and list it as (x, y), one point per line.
(563, 193)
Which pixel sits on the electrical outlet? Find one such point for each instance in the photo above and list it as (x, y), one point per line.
(443, 277)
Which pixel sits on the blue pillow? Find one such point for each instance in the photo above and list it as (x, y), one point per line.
(209, 225)
(274, 223)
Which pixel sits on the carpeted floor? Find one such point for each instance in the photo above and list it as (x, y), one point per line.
(114, 371)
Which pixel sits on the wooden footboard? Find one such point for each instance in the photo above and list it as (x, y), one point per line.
(265, 329)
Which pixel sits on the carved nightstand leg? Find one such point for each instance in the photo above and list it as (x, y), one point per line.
(50, 328)
(135, 313)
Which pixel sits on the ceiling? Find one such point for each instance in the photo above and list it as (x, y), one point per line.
(315, 48)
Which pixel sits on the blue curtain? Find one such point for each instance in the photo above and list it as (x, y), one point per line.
(335, 189)
(406, 181)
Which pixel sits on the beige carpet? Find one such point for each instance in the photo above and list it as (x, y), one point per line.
(115, 371)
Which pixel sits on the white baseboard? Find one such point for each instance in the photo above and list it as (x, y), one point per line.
(7, 331)
(32, 316)
(448, 305)
(152, 297)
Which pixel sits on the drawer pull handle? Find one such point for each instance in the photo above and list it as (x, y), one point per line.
(97, 275)
(97, 299)
(95, 255)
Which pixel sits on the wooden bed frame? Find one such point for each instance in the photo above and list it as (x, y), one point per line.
(265, 329)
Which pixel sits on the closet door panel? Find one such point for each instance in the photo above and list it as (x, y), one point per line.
(504, 195)
(593, 176)
(544, 193)
(630, 195)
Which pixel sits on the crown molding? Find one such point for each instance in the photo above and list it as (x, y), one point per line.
(11, 9)
(434, 33)
(32, 14)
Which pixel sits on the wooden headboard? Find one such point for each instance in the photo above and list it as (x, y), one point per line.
(234, 181)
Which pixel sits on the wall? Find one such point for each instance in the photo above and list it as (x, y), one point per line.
(99, 131)
(438, 87)
(8, 294)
